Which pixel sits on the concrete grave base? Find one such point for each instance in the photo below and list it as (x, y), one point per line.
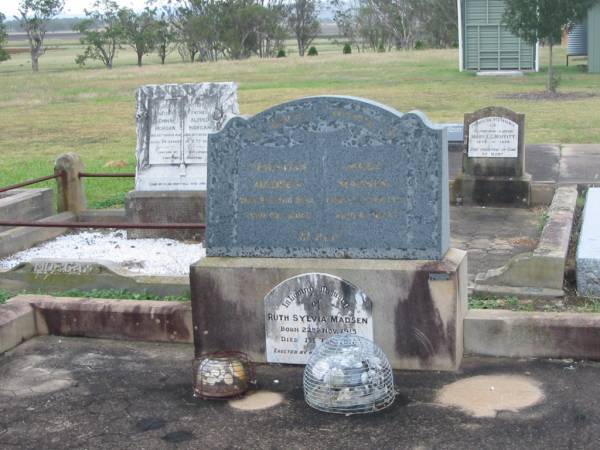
(492, 191)
(418, 306)
(166, 207)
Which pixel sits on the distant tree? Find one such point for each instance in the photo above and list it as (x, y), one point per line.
(34, 16)
(439, 22)
(304, 23)
(102, 33)
(166, 36)
(544, 20)
(139, 31)
(3, 37)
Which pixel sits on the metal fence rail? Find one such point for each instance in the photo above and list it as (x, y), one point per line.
(30, 182)
(142, 226)
(106, 175)
(147, 226)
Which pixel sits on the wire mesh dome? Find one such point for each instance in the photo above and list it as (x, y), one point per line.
(348, 374)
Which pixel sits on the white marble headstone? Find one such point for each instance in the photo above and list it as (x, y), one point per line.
(173, 123)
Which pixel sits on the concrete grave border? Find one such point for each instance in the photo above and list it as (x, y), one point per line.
(27, 316)
(541, 272)
(486, 332)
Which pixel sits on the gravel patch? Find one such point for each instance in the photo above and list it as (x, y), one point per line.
(142, 256)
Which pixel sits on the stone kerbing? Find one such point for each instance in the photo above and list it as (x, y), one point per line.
(528, 334)
(26, 316)
(541, 272)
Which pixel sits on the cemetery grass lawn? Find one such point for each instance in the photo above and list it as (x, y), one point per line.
(91, 110)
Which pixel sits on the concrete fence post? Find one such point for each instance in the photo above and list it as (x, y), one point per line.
(71, 194)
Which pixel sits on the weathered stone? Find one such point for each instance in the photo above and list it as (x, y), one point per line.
(173, 122)
(493, 160)
(303, 311)
(17, 324)
(329, 177)
(21, 238)
(57, 275)
(166, 207)
(494, 143)
(26, 204)
(71, 192)
(544, 268)
(418, 306)
(588, 247)
(517, 334)
(25, 316)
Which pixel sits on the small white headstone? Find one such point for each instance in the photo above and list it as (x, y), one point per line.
(303, 311)
(173, 123)
(493, 137)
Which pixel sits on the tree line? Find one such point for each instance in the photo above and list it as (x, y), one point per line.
(209, 30)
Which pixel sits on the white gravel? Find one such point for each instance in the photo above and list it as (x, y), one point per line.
(142, 256)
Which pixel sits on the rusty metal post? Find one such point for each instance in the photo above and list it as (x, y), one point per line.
(71, 193)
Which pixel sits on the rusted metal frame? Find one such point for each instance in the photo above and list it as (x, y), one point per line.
(148, 226)
(30, 182)
(106, 175)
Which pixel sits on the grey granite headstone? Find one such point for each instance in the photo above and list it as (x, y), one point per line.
(303, 311)
(173, 122)
(494, 144)
(328, 177)
(588, 248)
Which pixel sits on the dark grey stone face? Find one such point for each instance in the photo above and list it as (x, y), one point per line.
(303, 311)
(328, 177)
(494, 143)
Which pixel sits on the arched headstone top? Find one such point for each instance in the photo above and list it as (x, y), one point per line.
(328, 176)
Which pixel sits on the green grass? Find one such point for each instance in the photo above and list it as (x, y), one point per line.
(91, 110)
(100, 293)
(511, 303)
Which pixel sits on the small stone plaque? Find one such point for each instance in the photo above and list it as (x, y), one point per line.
(494, 137)
(333, 177)
(304, 310)
(173, 123)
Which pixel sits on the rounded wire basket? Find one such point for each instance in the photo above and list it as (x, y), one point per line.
(348, 374)
(222, 374)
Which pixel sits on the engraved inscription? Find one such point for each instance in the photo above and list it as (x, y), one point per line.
(165, 144)
(493, 137)
(305, 310)
(328, 177)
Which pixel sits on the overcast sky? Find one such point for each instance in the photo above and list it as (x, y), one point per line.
(73, 8)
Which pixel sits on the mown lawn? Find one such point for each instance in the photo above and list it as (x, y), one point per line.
(91, 110)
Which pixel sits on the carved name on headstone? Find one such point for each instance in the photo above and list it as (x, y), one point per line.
(305, 310)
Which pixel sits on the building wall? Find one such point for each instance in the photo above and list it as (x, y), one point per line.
(487, 44)
(593, 29)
